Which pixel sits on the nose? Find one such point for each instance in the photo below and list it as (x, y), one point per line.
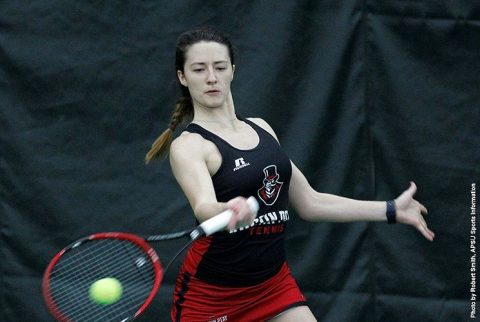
(211, 77)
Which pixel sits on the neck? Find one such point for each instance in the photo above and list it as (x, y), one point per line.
(220, 120)
(222, 115)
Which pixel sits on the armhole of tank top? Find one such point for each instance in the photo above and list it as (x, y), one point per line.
(207, 135)
(260, 130)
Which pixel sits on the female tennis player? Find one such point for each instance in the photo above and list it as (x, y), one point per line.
(219, 160)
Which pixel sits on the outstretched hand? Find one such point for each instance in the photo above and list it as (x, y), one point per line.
(411, 212)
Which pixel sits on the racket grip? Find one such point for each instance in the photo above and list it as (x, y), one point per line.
(221, 220)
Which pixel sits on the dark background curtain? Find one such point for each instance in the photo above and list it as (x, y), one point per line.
(363, 95)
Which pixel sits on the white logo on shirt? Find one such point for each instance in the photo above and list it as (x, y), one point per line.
(240, 163)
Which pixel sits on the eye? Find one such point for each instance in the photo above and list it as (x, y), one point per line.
(198, 70)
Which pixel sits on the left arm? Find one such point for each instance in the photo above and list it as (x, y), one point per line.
(314, 206)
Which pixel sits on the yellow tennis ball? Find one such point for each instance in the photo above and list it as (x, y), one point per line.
(106, 291)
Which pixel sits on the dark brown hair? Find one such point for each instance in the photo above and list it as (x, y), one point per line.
(184, 106)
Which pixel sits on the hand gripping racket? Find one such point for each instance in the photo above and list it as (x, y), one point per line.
(125, 257)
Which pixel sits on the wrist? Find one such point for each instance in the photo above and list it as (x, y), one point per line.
(391, 212)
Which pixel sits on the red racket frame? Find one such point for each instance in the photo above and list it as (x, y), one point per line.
(137, 240)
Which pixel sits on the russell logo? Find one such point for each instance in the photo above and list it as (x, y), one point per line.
(240, 163)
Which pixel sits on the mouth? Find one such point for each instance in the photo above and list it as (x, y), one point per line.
(212, 92)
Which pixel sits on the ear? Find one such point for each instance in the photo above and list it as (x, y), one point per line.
(181, 78)
(233, 71)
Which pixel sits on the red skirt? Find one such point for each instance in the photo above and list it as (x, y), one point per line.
(197, 301)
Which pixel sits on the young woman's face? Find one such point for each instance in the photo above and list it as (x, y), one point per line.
(208, 73)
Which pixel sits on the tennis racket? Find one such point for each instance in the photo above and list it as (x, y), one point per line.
(128, 258)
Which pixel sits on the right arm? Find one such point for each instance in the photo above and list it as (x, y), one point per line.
(190, 155)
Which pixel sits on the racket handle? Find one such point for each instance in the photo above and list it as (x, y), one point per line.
(220, 221)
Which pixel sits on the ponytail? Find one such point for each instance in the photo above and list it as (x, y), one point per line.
(161, 146)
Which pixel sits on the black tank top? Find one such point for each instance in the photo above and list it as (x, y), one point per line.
(249, 255)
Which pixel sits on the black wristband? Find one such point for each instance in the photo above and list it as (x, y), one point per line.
(391, 212)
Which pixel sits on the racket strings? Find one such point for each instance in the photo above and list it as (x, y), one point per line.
(100, 271)
(78, 268)
(84, 273)
(134, 300)
(64, 301)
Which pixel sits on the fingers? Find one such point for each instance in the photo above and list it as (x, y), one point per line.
(427, 233)
(422, 227)
(423, 209)
(407, 196)
(412, 189)
(413, 212)
(232, 224)
(242, 214)
(420, 208)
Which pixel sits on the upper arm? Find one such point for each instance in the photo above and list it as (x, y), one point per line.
(301, 193)
(189, 167)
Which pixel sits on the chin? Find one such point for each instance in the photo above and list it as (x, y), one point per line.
(217, 104)
(214, 106)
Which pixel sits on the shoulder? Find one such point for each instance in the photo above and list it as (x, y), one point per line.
(264, 125)
(190, 146)
(185, 141)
